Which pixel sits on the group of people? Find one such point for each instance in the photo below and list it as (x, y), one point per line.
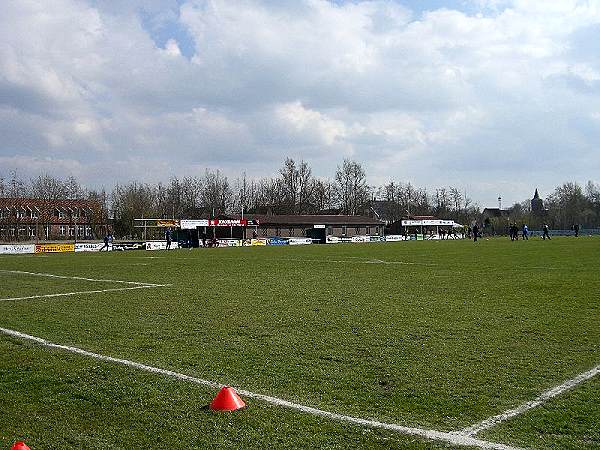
(513, 232)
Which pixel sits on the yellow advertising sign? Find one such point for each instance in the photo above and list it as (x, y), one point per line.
(167, 223)
(54, 248)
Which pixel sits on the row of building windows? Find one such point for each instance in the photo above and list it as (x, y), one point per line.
(34, 213)
(63, 231)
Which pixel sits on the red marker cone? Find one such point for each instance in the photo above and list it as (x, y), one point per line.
(20, 445)
(227, 400)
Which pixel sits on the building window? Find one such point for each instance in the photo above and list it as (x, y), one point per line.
(32, 232)
(357, 230)
(344, 230)
(47, 231)
(61, 214)
(368, 230)
(62, 230)
(71, 231)
(35, 214)
(277, 231)
(291, 231)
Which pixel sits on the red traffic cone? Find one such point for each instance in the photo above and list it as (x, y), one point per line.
(227, 400)
(20, 445)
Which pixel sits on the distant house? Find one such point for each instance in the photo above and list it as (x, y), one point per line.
(491, 213)
(23, 219)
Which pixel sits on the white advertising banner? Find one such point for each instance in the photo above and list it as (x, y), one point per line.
(360, 239)
(394, 238)
(417, 223)
(299, 241)
(230, 243)
(192, 224)
(17, 249)
(333, 240)
(160, 245)
(91, 246)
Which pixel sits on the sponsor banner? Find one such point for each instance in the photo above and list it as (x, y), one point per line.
(376, 239)
(277, 241)
(360, 238)
(254, 242)
(416, 223)
(167, 223)
(91, 246)
(333, 240)
(17, 249)
(230, 243)
(192, 224)
(394, 238)
(319, 226)
(420, 237)
(300, 241)
(160, 245)
(54, 248)
(122, 246)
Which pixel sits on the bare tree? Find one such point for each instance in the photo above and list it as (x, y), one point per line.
(351, 187)
(216, 193)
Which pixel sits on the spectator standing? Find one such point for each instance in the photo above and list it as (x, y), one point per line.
(169, 238)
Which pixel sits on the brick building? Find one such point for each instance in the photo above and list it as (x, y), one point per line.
(29, 219)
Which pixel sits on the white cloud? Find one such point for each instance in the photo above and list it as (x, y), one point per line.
(440, 98)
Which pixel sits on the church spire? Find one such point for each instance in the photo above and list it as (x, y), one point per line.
(536, 195)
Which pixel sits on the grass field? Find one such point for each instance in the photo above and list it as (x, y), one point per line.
(436, 335)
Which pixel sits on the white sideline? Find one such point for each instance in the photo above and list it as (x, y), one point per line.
(455, 438)
(50, 275)
(66, 294)
(540, 400)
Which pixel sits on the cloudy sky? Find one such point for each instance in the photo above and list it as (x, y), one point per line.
(492, 96)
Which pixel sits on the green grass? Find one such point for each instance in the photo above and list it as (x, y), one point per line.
(445, 335)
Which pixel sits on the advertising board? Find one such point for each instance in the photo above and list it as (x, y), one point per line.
(360, 238)
(277, 241)
(17, 249)
(255, 242)
(230, 243)
(333, 240)
(394, 238)
(160, 245)
(90, 246)
(299, 241)
(54, 248)
(192, 224)
(122, 246)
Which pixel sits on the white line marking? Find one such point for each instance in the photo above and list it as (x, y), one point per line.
(49, 275)
(455, 438)
(540, 400)
(372, 261)
(98, 291)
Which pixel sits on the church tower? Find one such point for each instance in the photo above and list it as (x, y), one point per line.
(537, 204)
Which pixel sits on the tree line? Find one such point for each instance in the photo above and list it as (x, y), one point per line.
(295, 190)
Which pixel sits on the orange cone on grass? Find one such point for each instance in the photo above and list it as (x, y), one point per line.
(227, 400)
(20, 445)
